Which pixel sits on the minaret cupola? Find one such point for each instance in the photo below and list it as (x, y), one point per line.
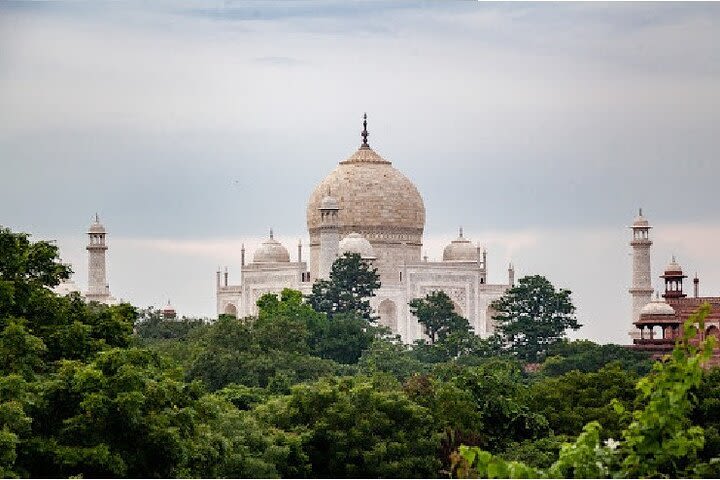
(673, 277)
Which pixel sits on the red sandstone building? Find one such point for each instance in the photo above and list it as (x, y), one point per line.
(660, 321)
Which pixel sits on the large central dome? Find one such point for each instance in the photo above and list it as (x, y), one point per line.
(373, 196)
(376, 201)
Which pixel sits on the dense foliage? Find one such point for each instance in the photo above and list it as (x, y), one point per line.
(532, 316)
(658, 437)
(107, 391)
(348, 290)
(436, 313)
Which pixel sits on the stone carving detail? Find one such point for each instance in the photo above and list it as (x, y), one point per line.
(458, 294)
(272, 278)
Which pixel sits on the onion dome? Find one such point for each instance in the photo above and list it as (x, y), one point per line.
(640, 221)
(372, 196)
(96, 226)
(657, 307)
(673, 268)
(460, 250)
(356, 243)
(271, 251)
(168, 311)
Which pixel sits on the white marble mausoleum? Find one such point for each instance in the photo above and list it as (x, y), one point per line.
(366, 206)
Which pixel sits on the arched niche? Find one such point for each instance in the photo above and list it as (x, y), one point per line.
(714, 331)
(388, 314)
(230, 309)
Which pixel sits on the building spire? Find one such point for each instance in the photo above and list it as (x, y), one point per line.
(271, 232)
(640, 211)
(364, 134)
(461, 232)
(97, 218)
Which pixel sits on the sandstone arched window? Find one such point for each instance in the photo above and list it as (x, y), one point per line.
(714, 331)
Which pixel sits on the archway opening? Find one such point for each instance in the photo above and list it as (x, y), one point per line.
(388, 314)
(231, 310)
(714, 331)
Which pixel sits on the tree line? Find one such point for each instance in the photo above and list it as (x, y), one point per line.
(316, 387)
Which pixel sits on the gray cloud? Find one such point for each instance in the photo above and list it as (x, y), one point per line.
(190, 123)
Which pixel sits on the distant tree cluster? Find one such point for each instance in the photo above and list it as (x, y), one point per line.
(313, 387)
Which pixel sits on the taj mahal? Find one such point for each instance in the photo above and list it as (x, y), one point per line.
(367, 206)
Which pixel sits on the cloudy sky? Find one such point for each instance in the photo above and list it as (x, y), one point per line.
(192, 127)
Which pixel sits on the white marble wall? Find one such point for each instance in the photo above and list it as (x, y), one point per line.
(641, 289)
(465, 283)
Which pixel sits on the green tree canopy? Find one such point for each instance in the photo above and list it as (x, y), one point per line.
(436, 312)
(572, 400)
(348, 290)
(25, 268)
(125, 414)
(352, 427)
(659, 439)
(586, 356)
(532, 316)
(67, 326)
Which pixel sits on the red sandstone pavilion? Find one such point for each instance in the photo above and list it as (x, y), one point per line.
(659, 322)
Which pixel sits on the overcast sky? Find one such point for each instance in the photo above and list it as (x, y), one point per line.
(191, 127)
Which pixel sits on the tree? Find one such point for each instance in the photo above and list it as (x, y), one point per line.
(352, 282)
(25, 268)
(242, 352)
(436, 312)
(22, 352)
(290, 321)
(67, 326)
(497, 399)
(355, 427)
(572, 400)
(125, 414)
(532, 316)
(17, 398)
(153, 327)
(393, 357)
(586, 356)
(659, 439)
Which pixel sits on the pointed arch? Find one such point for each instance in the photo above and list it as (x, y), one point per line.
(388, 314)
(712, 331)
(230, 309)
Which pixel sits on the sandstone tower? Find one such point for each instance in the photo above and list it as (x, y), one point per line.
(641, 289)
(98, 288)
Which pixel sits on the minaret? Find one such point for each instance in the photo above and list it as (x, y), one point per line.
(98, 288)
(329, 235)
(511, 275)
(641, 289)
